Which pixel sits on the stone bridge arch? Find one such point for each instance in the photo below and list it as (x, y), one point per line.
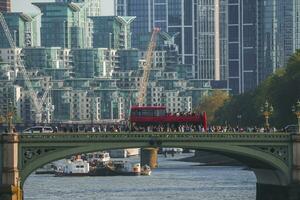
(271, 166)
(274, 157)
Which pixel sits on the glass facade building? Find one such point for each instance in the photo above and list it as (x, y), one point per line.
(128, 59)
(212, 40)
(91, 8)
(63, 25)
(171, 16)
(88, 63)
(22, 29)
(242, 45)
(262, 35)
(296, 27)
(277, 34)
(112, 32)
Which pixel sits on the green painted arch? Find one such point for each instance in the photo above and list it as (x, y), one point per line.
(229, 149)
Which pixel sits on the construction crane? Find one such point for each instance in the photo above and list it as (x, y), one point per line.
(146, 68)
(38, 103)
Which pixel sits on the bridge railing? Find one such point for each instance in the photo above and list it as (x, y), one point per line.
(142, 136)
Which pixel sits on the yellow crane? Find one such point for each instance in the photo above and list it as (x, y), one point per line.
(146, 68)
(148, 155)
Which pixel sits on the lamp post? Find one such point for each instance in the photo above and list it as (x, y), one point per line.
(267, 110)
(9, 115)
(296, 110)
(239, 117)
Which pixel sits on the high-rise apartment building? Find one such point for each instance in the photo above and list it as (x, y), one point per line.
(296, 27)
(262, 35)
(172, 16)
(89, 62)
(23, 29)
(242, 45)
(279, 34)
(63, 25)
(5, 6)
(112, 32)
(92, 8)
(212, 40)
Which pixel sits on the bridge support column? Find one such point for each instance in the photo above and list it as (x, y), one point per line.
(149, 157)
(10, 187)
(296, 158)
(275, 192)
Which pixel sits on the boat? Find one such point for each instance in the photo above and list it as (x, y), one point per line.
(146, 170)
(49, 168)
(171, 151)
(94, 158)
(118, 153)
(77, 167)
(133, 152)
(116, 168)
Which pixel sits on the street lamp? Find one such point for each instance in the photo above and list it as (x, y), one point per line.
(11, 110)
(267, 110)
(296, 110)
(239, 117)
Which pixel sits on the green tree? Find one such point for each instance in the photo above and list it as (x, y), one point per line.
(282, 90)
(211, 103)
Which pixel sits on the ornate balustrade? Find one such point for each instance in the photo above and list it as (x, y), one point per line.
(142, 136)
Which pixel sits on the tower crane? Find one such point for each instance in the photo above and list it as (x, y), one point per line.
(38, 103)
(146, 68)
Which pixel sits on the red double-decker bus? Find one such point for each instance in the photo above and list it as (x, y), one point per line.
(157, 115)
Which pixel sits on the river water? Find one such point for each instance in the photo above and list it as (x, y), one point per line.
(173, 180)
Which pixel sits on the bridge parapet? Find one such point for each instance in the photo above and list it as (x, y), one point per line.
(167, 136)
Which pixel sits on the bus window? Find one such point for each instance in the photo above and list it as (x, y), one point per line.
(162, 112)
(147, 113)
(159, 113)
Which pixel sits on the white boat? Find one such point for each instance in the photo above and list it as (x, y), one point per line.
(76, 167)
(49, 168)
(133, 151)
(118, 153)
(97, 157)
(172, 150)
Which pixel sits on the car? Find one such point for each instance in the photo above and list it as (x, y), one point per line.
(293, 128)
(39, 129)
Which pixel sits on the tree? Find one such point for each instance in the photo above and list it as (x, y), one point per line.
(281, 89)
(211, 103)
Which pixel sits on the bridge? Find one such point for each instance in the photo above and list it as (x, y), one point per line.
(273, 157)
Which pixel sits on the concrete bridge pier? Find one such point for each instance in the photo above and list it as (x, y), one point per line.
(275, 192)
(10, 187)
(290, 191)
(149, 157)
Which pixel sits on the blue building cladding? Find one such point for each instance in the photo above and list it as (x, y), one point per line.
(171, 16)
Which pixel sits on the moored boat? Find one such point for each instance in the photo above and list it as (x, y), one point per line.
(76, 167)
(116, 168)
(49, 168)
(98, 157)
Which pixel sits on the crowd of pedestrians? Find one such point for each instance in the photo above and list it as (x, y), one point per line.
(179, 128)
